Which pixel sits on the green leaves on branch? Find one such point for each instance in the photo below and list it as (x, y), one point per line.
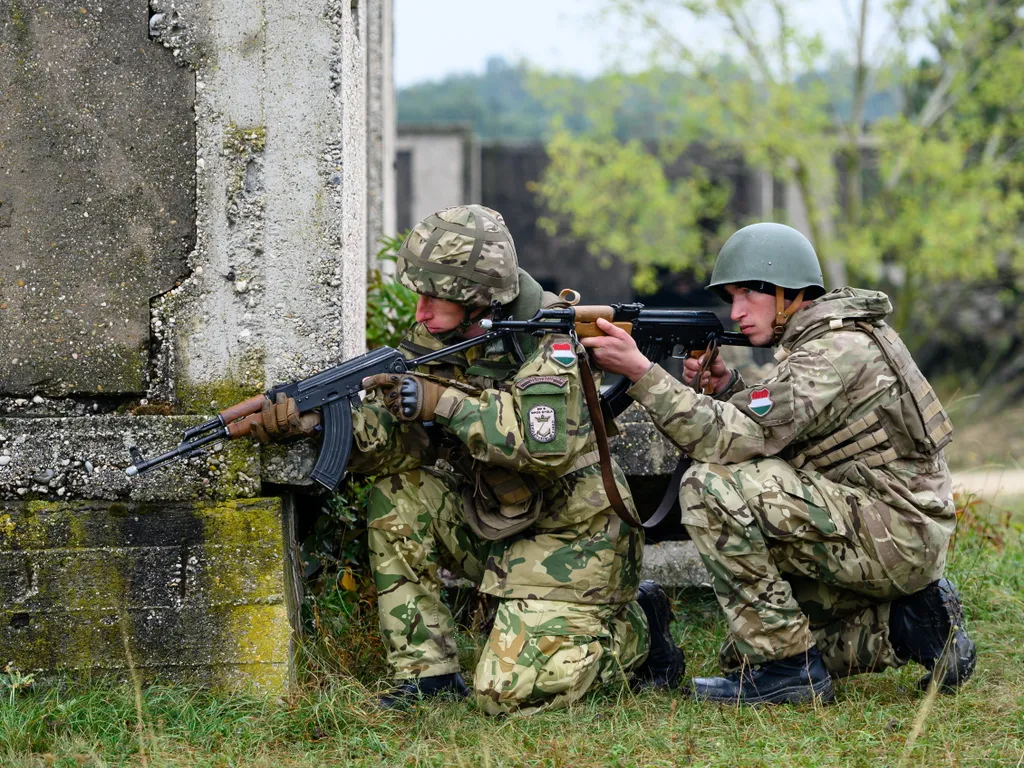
(390, 306)
(616, 197)
(931, 191)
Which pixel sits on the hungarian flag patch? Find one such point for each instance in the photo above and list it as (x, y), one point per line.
(561, 353)
(761, 401)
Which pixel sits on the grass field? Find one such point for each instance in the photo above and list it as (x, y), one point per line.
(878, 720)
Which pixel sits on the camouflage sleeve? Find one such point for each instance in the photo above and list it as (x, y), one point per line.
(539, 426)
(757, 421)
(383, 445)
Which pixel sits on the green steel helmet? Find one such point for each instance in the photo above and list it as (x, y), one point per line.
(767, 253)
(463, 254)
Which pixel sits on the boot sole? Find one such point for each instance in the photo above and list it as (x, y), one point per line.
(823, 691)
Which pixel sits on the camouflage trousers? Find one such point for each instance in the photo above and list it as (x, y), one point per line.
(541, 654)
(792, 566)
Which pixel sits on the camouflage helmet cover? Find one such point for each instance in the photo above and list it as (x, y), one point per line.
(463, 254)
(769, 253)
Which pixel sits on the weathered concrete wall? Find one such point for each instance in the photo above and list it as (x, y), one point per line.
(97, 193)
(185, 194)
(168, 590)
(380, 125)
(57, 459)
(277, 284)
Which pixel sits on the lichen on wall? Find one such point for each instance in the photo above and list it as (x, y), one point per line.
(197, 590)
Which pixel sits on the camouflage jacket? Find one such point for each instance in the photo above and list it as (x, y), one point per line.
(531, 421)
(832, 379)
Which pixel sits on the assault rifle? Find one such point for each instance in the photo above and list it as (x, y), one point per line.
(659, 333)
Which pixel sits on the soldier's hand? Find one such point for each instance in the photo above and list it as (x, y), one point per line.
(407, 396)
(717, 375)
(282, 421)
(617, 352)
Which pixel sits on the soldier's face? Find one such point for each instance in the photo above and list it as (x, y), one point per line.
(755, 313)
(438, 315)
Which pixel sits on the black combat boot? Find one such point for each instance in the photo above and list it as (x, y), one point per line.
(407, 691)
(794, 680)
(665, 664)
(928, 627)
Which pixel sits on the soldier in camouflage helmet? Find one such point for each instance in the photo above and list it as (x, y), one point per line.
(486, 464)
(819, 498)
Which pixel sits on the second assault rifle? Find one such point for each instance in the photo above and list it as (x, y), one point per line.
(659, 334)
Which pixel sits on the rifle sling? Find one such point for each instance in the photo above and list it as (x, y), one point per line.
(601, 435)
(670, 500)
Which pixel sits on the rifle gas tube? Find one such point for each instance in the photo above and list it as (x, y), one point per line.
(659, 333)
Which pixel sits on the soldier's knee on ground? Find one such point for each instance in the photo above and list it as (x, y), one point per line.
(524, 669)
(549, 672)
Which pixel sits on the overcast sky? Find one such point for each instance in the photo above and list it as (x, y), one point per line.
(435, 38)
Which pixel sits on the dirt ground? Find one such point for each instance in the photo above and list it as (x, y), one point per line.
(997, 484)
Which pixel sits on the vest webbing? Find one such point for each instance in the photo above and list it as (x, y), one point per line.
(870, 432)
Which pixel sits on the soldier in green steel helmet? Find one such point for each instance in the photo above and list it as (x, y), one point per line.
(486, 463)
(819, 498)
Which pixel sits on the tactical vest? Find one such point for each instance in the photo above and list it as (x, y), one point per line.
(915, 426)
(497, 502)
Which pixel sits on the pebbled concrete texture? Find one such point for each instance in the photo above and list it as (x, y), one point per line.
(640, 449)
(84, 458)
(97, 194)
(675, 564)
(276, 289)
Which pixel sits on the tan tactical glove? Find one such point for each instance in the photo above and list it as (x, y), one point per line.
(282, 421)
(408, 397)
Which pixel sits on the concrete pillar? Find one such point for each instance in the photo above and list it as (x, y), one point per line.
(184, 189)
(277, 283)
(380, 125)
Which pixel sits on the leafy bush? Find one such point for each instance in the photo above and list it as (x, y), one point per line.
(390, 306)
(340, 610)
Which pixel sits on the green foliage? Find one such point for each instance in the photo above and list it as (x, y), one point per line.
(516, 103)
(14, 680)
(498, 104)
(903, 201)
(390, 306)
(617, 198)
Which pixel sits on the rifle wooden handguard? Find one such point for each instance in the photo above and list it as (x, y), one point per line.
(589, 330)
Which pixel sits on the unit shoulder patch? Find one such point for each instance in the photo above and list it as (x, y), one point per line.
(529, 381)
(761, 401)
(543, 423)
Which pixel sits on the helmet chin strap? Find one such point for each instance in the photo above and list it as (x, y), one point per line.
(782, 312)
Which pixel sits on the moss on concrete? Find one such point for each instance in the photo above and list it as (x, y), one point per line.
(262, 634)
(245, 141)
(197, 590)
(212, 396)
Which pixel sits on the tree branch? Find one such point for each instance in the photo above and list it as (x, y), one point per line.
(748, 38)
